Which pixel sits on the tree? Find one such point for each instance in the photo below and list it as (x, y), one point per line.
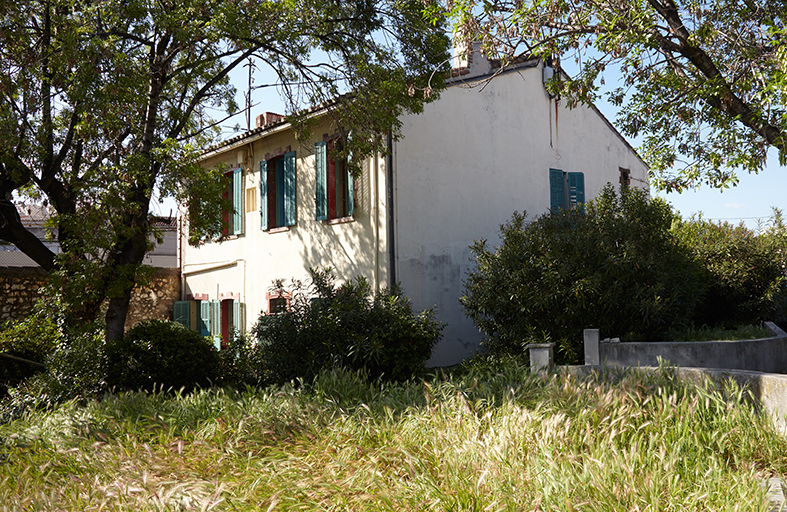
(103, 100)
(703, 82)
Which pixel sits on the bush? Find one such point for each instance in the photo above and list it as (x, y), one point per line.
(746, 272)
(33, 338)
(241, 362)
(615, 267)
(346, 326)
(161, 354)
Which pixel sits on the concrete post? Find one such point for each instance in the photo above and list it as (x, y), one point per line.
(591, 346)
(541, 356)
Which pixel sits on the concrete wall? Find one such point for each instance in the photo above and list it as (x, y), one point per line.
(761, 355)
(245, 266)
(468, 162)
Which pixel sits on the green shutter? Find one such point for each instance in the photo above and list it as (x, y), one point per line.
(237, 200)
(181, 313)
(237, 318)
(321, 170)
(289, 189)
(215, 321)
(576, 189)
(264, 195)
(350, 191)
(204, 326)
(557, 200)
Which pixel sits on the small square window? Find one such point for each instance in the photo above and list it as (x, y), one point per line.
(251, 200)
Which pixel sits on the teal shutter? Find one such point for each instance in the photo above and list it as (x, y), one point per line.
(264, 195)
(237, 200)
(204, 326)
(289, 189)
(237, 316)
(350, 191)
(321, 170)
(181, 313)
(278, 194)
(576, 189)
(557, 196)
(350, 184)
(215, 321)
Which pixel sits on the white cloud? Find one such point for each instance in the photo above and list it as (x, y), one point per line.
(737, 206)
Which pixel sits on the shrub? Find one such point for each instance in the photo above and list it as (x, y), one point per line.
(345, 326)
(161, 354)
(614, 266)
(747, 273)
(241, 362)
(33, 338)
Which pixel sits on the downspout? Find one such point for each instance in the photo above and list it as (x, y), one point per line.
(375, 178)
(391, 216)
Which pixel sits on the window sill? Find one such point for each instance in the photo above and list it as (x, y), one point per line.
(281, 229)
(341, 220)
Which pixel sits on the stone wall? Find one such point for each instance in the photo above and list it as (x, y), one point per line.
(21, 287)
(157, 300)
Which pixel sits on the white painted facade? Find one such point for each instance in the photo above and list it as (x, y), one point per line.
(460, 170)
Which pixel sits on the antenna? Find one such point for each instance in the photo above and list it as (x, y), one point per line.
(250, 65)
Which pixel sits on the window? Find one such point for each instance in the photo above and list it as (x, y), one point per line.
(232, 219)
(216, 319)
(625, 177)
(566, 190)
(277, 192)
(251, 200)
(335, 185)
(278, 301)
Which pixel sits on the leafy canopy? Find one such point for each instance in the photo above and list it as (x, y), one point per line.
(702, 82)
(102, 101)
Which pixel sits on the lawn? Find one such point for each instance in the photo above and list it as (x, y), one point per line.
(489, 436)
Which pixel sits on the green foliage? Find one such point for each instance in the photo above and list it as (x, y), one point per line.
(346, 326)
(33, 338)
(747, 272)
(101, 103)
(615, 267)
(241, 361)
(679, 68)
(161, 354)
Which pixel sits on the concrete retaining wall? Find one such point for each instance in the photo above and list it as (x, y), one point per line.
(760, 355)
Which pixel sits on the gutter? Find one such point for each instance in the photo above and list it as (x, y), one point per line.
(391, 213)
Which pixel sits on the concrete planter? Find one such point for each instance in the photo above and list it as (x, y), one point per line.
(760, 355)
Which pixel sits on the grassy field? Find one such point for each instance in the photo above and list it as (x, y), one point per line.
(490, 437)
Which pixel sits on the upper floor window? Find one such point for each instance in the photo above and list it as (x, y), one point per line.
(277, 192)
(335, 185)
(566, 190)
(233, 224)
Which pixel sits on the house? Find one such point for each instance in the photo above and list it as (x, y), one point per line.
(485, 149)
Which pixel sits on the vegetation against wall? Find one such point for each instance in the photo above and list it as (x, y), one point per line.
(626, 266)
(348, 326)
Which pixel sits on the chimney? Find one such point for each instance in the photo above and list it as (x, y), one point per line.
(268, 118)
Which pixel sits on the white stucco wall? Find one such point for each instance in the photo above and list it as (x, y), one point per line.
(467, 163)
(248, 264)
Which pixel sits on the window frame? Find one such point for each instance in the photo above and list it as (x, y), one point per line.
(278, 191)
(566, 190)
(329, 176)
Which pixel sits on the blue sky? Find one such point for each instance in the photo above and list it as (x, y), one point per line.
(750, 201)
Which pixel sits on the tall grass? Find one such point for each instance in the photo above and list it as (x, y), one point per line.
(490, 436)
